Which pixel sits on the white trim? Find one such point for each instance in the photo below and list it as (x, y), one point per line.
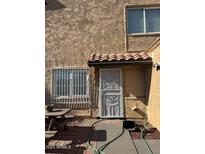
(59, 87)
(51, 83)
(149, 8)
(147, 4)
(145, 34)
(121, 90)
(144, 15)
(71, 82)
(125, 27)
(70, 67)
(99, 98)
(87, 83)
(146, 8)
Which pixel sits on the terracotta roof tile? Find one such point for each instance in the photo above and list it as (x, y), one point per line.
(111, 57)
(118, 57)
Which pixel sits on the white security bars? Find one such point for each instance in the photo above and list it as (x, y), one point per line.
(70, 85)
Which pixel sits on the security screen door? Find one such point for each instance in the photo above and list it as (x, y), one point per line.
(111, 102)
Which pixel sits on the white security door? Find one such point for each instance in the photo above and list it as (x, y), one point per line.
(111, 96)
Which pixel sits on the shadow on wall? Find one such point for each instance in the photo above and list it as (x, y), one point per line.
(47, 96)
(54, 5)
(148, 76)
(136, 106)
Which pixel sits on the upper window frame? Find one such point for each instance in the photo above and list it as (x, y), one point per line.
(144, 19)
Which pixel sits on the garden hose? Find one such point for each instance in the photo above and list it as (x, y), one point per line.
(106, 144)
(142, 131)
(96, 151)
(99, 151)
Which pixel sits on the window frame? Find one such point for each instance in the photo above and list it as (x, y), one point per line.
(71, 95)
(144, 23)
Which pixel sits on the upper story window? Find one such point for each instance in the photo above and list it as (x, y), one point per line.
(143, 20)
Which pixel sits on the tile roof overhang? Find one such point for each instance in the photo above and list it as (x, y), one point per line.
(124, 58)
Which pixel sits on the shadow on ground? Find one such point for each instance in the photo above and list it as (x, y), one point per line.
(73, 140)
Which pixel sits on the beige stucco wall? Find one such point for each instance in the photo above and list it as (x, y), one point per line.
(76, 28)
(134, 107)
(154, 97)
(135, 90)
(140, 43)
(134, 81)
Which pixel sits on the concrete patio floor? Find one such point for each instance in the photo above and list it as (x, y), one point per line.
(80, 132)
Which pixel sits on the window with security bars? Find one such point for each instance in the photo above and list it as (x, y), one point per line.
(70, 84)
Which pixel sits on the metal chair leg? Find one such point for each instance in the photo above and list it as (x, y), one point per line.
(50, 124)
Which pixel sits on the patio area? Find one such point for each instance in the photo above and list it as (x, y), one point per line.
(107, 135)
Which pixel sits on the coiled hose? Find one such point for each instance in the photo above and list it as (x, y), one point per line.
(100, 150)
(141, 134)
(96, 151)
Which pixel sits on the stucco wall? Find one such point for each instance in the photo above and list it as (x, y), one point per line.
(76, 28)
(136, 89)
(154, 97)
(140, 43)
(134, 81)
(134, 107)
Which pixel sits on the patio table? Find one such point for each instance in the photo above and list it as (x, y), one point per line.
(55, 113)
